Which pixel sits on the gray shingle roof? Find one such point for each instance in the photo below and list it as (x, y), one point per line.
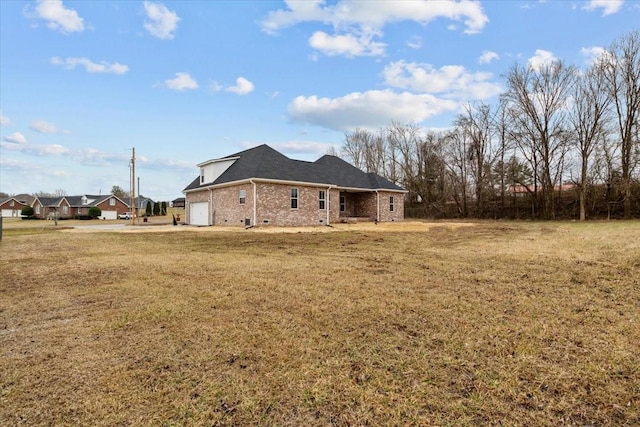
(263, 162)
(51, 201)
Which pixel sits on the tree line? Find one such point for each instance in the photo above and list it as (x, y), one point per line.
(561, 143)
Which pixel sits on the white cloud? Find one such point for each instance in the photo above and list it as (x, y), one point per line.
(348, 45)
(90, 66)
(302, 147)
(541, 58)
(453, 81)
(372, 109)
(34, 149)
(609, 7)
(215, 87)
(51, 150)
(4, 120)
(356, 23)
(375, 15)
(163, 164)
(415, 42)
(94, 157)
(16, 138)
(14, 165)
(183, 81)
(162, 23)
(487, 57)
(86, 156)
(58, 17)
(592, 54)
(242, 87)
(297, 149)
(42, 126)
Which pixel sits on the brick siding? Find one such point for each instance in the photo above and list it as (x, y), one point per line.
(273, 205)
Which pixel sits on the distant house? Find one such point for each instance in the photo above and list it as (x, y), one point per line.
(12, 206)
(110, 205)
(523, 190)
(64, 206)
(261, 186)
(178, 203)
(47, 207)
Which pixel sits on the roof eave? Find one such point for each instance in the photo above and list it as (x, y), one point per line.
(217, 161)
(289, 182)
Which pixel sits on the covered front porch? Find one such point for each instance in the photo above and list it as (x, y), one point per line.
(358, 206)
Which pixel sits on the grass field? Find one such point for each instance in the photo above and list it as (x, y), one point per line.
(488, 323)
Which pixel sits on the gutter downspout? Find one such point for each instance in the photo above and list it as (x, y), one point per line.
(210, 219)
(328, 204)
(255, 207)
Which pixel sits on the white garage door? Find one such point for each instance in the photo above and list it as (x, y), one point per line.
(110, 214)
(199, 213)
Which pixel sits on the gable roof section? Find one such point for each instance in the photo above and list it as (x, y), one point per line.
(263, 162)
(8, 199)
(52, 202)
(25, 198)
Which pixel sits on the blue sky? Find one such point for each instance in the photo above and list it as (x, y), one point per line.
(83, 82)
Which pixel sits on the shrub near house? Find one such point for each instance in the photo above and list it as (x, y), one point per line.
(27, 212)
(92, 213)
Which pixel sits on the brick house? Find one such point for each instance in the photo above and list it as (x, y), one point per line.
(64, 206)
(110, 205)
(261, 186)
(46, 207)
(11, 207)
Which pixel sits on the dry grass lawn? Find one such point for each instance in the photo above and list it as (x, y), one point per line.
(488, 323)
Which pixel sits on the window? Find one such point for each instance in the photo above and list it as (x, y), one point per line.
(65, 209)
(243, 196)
(13, 203)
(321, 200)
(390, 203)
(80, 209)
(294, 198)
(201, 175)
(112, 201)
(38, 210)
(343, 204)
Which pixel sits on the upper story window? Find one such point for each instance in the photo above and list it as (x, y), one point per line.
(243, 196)
(201, 175)
(390, 203)
(321, 199)
(13, 203)
(294, 198)
(112, 201)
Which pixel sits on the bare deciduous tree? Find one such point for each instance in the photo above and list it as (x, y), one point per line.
(537, 100)
(622, 71)
(588, 122)
(474, 130)
(117, 191)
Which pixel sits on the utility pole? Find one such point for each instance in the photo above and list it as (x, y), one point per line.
(134, 205)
